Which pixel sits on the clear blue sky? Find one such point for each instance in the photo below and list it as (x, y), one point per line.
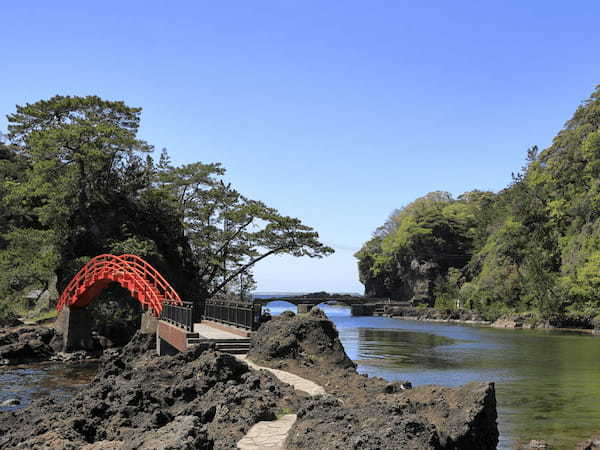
(334, 112)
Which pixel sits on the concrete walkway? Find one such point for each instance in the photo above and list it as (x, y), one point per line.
(271, 435)
(299, 383)
(208, 332)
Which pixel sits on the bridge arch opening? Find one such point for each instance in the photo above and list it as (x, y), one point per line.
(128, 286)
(276, 307)
(335, 308)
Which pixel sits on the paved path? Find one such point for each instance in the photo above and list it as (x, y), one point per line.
(268, 435)
(299, 383)
(208, 332)
(271, 435)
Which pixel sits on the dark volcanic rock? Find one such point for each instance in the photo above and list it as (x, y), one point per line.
(459, 315)
(204, 400)
(326, 423)
(370, 413)
(26, 344)
(310, 340)
(10, 321)
(427, 417)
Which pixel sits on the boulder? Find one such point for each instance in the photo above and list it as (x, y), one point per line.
(428, 417)
(26, 344)
(10, 320)
(508, 322)
(311, 340)
(592, 443)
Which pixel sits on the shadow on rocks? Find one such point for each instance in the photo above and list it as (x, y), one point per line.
(194, 400)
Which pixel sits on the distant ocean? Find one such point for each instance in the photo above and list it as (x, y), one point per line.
(274, 294)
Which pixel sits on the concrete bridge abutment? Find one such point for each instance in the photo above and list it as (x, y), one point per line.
(149, 323)
(75, 326)
(304, 308)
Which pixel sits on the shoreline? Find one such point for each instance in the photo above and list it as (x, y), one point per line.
(486, 324)
(425, 319)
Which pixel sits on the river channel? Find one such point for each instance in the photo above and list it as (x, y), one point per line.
(547, 382)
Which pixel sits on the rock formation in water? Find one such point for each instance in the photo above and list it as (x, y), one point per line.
(310, 342)
(369, 412)
(410, 312)
(26, 344)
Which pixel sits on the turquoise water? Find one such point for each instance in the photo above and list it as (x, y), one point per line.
(547, 382)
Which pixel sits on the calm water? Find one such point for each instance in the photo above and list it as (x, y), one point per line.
(547, 383)
(27, 382)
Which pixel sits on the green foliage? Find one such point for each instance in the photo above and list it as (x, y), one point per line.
(447, 290)
(228, 232)
(533, 247)
(435, 229)
(28, 261)
(76, 181)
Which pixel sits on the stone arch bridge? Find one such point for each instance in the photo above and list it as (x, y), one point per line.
(306, 302)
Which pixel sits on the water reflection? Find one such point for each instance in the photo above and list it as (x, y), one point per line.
(27, 382)
(547, 382)
(401, 348)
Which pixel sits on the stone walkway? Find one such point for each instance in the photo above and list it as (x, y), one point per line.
(271, 435)
(299, 383)
(268, 435)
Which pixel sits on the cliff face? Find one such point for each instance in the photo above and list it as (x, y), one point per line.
(411, 253)
(412, 281)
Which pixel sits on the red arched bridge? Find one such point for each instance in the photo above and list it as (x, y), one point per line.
(177, 324)
(133, 273)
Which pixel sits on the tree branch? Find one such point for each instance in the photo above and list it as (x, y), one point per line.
(243, 269)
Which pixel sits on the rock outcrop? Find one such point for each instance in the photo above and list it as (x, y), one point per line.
(34, 343)
(10, 320)
(429, 417)
(26, 344)
(458, 315)
(195, 400)
(413, 280)
(530, 320)
(370, 413)
(308, 341)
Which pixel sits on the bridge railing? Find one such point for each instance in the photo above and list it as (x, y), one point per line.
(239, 314)
(183, 316)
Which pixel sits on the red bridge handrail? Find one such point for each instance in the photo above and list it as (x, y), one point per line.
(144, 282)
